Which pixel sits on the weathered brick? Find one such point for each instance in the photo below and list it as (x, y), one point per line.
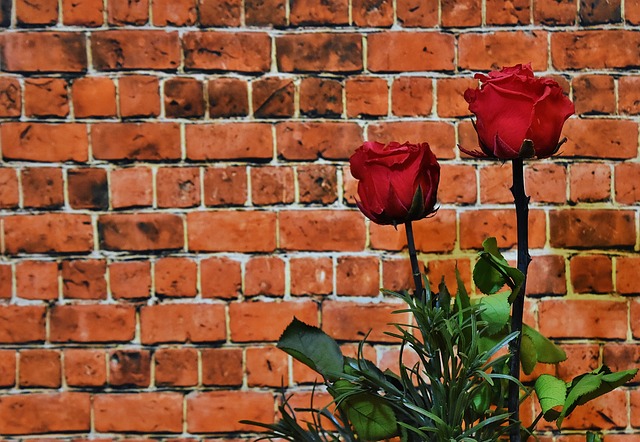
(48, 52)
(88, 188)
(225, 141)
(582, 228)
(590, 319)
(7, 368)
(265, 13)
(546, 183)
(273, 317)
(230, 407)
(418, 13)
(594, 94)
(357, 276)
(224, 231)
(349, 321)
(9, 191)
(176, 277)
(86, 13)
(574, 50)
(272, 185)
(273, 97)
(127, 12)
(225, 186)
(44, 97)
(37, 280)
(40, 368)
(410, 51)
(591, 274)
(411, 96)
(378, 13)
(10, 97)
(22, 324)
(266, 367)
(6, 282)
(222, 366)
(600, 138)
(505, 47)
(589, 182)
(318, 12)
(626, 186)
(183, 98)
(136, 141)
(174, 12)
(228, 97)
(36, 12)
(311, 276)
(42, 187)
(627, 268)
(555, 12)
(116, 50)
(49, 232)
(129, 368)
(139, 96)
(322, 230)
(176, 367)
(138, 412)
(84, 367)
(84, 279)
(434, 234)
(507, 13)
(319, 52)
(131, 187)
(366, 96)
(130, 279)
(592, 13)
(221, 51)
(317, 184)
(92, 323)
(460, 14)
(310, 140)
(439, 134)
(182, 323)
(220, 277)
(547, 275)
(141, 231)
(265, 275)
(220, 12)
(44, 142)
(178, 187)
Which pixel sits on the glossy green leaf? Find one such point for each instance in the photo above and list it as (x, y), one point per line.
(492, 271)
(546, 351)
(312, 347)
(495, 309)
(371, 416)
(552, 393)
(528, 354)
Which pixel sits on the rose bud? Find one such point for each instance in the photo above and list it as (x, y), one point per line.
(397, 182)
(517, 114)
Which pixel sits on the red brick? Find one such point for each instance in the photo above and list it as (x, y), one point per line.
(350, 187)
(248, 52)
(222, 366)
(6, 282)
(311, 276)
(44, 97)
(94, 97)
(130, 279)
(39, 413)
(591, 274)
(141, 231)
(450, 90)
(446, 268)
(84, 367)
(37, 280)
(50, 232)
(176, 277)
(264, 275)
(546, 183)
(634, 318)
(318, 12)
(40, 368)
(317, 184)
(136, 141)
(224, 231)
(36, 12)
(418, 13)
(367, 96)
(138, 412)
(459, 14)
(42, 187)
(86, 13)
(9, 192)
(499, 12)
(221, 411)
(594, 94)
(590, 182)
(319, 52)
(626, 185)
(322, 230)
(554, 12)
(265, 13)
(547, 276)
(129, 368)
(581, 358)
(176, 367)
(273, 318)
(358, 276)
(225, 186)
(267, 367)
(349, 321)
(589, 319)
(182, 323)
(128, 12)
(139, 96)
(436, 234)
(311, 140)
(369, 13)
(174, 12)
(600, 138)
(116, 50)
(495, 183)
(225, 141)
(477, 225)
(632, 12)
(22, 324)
(629, 95)
(603, 413)
(84, 279)
(220, 12)
(88, 188)
(506, 48)
(44, 142)
(410, 51)
(620, 357)
(439, 134)
(627, 270)
(131, 187)
(228, 97)
(7, 368)
(221, 277)
(92, 323)
(574, 50)
(464, 190)
(10, 97)
(183, 98)
(178, 187)
(411, 96)
(272, 185)
(579, 228)
(48, 52)
(273, 97)
(592, 13)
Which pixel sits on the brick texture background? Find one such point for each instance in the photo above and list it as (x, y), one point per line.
(174, 189)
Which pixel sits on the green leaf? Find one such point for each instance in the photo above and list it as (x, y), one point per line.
(552, 393)
(528, 354)
(546, 351)
(371, 416)
(593, 437)
(495, 309)
(444, 297)
(312, 347)
(462, 297)
(492, 271)
(486, 277)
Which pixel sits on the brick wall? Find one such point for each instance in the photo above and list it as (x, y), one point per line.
(174, 189)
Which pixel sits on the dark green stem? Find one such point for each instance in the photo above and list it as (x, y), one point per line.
(522, 221)
(415, 269)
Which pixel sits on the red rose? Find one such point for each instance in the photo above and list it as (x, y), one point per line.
(397, 182)
(512, 106)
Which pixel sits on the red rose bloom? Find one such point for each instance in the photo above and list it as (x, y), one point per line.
(512, 106)
(397, 182)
